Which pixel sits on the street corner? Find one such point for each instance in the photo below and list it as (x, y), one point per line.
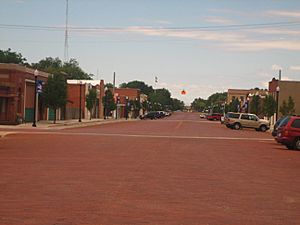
(5, 133)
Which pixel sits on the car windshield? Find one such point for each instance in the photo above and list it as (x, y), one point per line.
(284, 121)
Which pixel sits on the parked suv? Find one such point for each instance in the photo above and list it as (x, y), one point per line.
(214, 116)
(288, 132)
(239, 120)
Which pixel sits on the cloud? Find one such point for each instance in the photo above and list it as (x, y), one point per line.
(192, 90)
(283, 13)
(276, 67)
(296, 68)
(218, 20)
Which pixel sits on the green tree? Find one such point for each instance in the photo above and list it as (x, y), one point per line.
(109, 85)
(144, 88)
(177, 104)
(108, 102)
(234, 105)
(160, 99)
(7, 56)
(55, 93)
(287, 108)
(216, 99)
(71, 69)
(199, 104)
(291, 105)
(255, 105)
(269, 107)
(91, 99)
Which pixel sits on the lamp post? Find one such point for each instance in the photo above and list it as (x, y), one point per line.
(126, 107)
(80, 96)
(118, 102)
(36, 72)
(277, 101)
(105, 103)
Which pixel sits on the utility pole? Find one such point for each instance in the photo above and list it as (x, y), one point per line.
(66, 51)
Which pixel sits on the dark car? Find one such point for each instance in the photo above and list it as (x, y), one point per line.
(288, 132)
(151, 115)
(214, 116)
(274, 132)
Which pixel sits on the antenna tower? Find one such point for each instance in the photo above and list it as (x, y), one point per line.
(66, 52)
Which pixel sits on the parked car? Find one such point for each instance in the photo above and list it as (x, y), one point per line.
(274, 132)
(214, 116)
(239, 120)
(288, 132)
(151, 115)
(203, 115)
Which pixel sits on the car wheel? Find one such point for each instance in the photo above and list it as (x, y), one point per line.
(297, 144)
(289, 147)
(263, 128)
(237, 126)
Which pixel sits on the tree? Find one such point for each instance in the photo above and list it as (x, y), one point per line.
(136, 106)
(177, 104)
(109, 85)
(199, 104)
(12, 57)
(91, 99)
(269, 107)
(287, 108)
(55, 93)
(160, 99)
(234, 105)
(108, 102)
(145, 89)
(255, 105)
(216, 99)
(70, 69)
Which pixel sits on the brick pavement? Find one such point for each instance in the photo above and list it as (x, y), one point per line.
(90, 179)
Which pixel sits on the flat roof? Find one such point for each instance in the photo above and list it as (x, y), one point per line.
(21, 68)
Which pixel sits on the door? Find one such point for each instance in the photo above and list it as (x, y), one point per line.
(51, 114)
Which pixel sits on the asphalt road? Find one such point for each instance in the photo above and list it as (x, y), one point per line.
(178, 170)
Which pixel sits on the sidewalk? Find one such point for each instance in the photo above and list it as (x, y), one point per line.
(59, 125)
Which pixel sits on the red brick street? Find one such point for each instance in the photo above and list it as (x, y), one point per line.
(177, 170)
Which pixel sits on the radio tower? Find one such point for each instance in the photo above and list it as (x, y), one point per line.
(66, 53)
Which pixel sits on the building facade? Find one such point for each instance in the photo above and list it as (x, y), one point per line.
(17, 94)
(77, 91)
(123, 97)
(282, 89)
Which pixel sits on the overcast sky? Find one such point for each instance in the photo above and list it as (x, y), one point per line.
(199, 46)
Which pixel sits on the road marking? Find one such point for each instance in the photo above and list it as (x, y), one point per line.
(150, 136)
(178, 125)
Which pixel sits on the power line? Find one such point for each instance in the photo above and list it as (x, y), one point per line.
(133, 28)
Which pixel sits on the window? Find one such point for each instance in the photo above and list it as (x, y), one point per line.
(245, 117)
(284, 121)
(233, 115)
(296, 123)
(253, 117)
(2, 105)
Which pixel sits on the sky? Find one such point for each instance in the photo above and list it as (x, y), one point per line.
(200, 46)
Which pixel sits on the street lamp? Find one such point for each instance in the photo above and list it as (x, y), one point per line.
(126, 107)
(118, 102)
(36, 72)
(105, 103)
(80, 96)
(277, 101)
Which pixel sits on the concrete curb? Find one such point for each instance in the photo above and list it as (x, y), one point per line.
(4, 134)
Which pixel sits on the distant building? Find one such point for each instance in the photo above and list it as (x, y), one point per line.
(244, 96)
(285, 89)
(74, 98)
(122, 97)
(17, 88)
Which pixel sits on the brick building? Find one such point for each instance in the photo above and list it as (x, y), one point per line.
(244, 96)
(74, 98)
(285, 89)
(17, 88)
(122, 97)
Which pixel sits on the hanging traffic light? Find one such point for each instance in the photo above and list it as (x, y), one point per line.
(183, 92)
